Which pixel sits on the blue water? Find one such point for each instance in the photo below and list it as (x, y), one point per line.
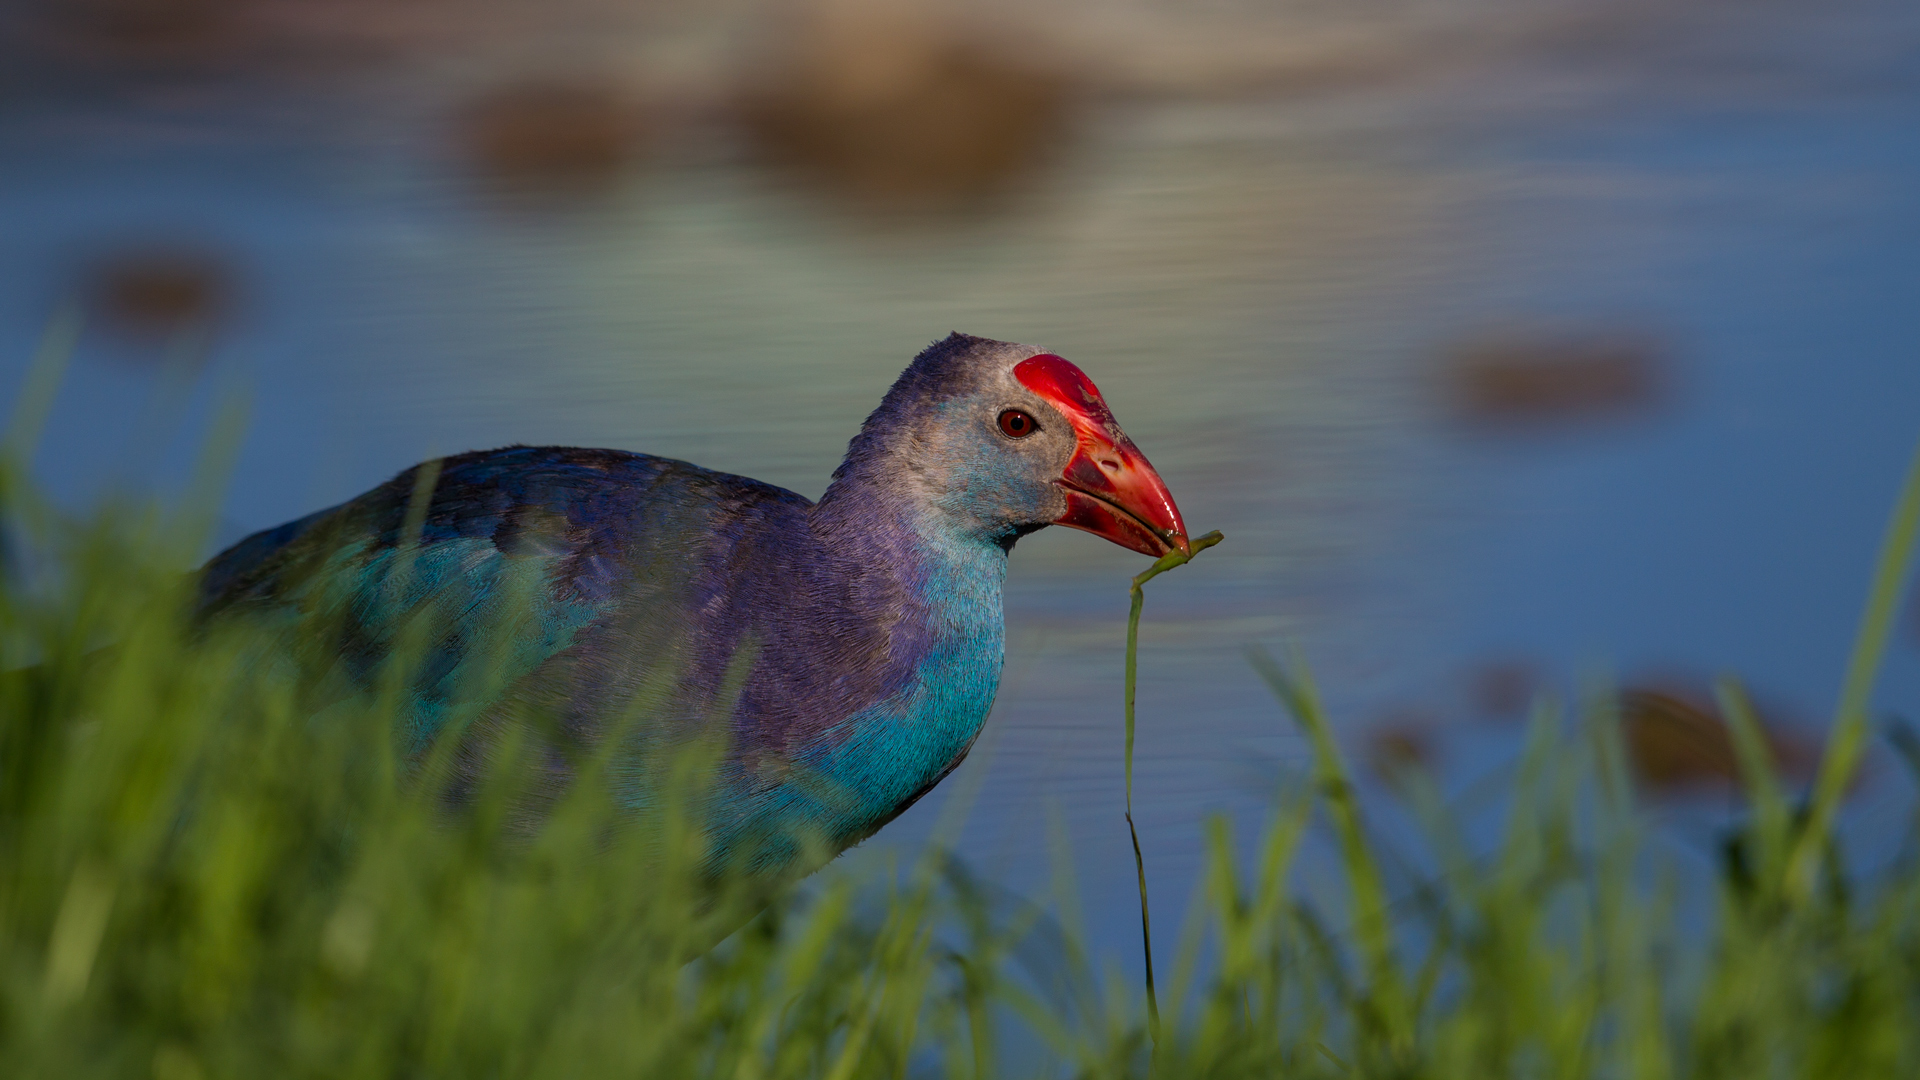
(1265, 283)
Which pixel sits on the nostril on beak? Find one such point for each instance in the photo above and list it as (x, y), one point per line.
(1110, 465)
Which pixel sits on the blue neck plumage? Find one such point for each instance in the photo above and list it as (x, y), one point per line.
(951, 627)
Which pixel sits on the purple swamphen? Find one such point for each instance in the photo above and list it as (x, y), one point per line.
(845, 652)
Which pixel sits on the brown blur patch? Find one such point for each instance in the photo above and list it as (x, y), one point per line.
(142, 34)
(158, 23)
(1400, 744)
(555, 133)
(1504, 689)
(293, 40)
(1677, 741)
(158, 292)
(894, 112)
(1547, 380)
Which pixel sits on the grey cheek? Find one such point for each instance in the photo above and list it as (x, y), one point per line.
(1054, 504)
(1063, 448)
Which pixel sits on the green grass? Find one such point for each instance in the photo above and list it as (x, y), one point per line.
(198, 879)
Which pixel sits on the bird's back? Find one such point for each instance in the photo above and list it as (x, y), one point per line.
(594, 587)
(551, 578)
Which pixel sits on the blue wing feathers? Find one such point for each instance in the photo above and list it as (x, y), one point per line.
(529, 548)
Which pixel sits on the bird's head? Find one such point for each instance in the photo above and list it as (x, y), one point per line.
(1001, 439)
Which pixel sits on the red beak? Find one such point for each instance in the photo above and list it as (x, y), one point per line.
(1112, 490)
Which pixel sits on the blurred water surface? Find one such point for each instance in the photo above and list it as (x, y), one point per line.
(1275, 235)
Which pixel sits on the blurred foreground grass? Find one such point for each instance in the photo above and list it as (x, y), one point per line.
(201, 879)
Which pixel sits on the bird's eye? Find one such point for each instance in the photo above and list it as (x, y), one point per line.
(1016, 424)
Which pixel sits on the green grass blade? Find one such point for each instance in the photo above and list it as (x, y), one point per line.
(1759, 777)
(1165, 563)
(1295, 687)
(1848, 739)
(42, 385)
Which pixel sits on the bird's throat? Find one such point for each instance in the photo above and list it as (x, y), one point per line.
(947, 637)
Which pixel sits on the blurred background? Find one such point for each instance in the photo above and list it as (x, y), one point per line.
(1514, 344)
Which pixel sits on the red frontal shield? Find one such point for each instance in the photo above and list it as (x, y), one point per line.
(1112, 490)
